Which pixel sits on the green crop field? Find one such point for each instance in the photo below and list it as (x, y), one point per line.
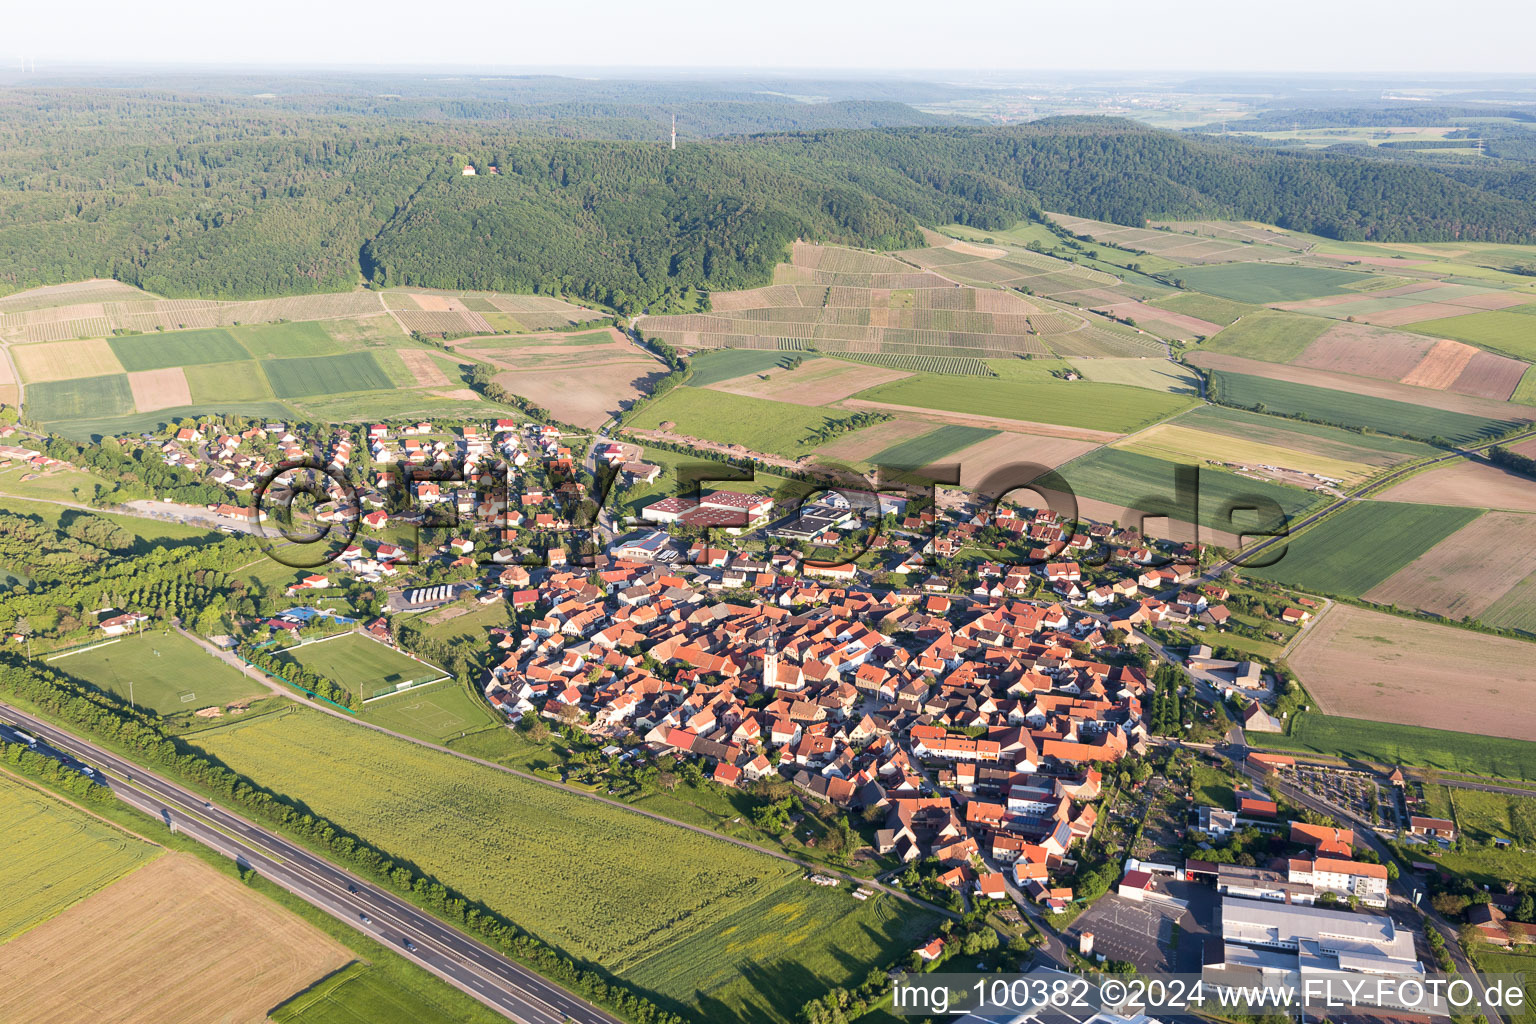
(1515, 609)
(1128, 478)
(296, 338)
(439, 712)
(1390, 743)
(630, 888)
(1362, 544)
(757, 423)
(1347, 410)
(361, 665)
(707, 982)
(1510, 331)
(1271, 335)
(725, 363)
(176, 348)
(1081, 403)
(1205, 307)
(361, 994)
(1497, 961)
(169, 673)
(1152, 374)
(326, 375)
(228, 382)
(932, 446)
(1302, 436)
(108, 395)
(1267, 282)
(55, 856)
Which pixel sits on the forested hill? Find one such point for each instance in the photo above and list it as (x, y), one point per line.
(215, 199)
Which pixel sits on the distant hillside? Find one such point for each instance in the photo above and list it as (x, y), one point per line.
(214, 197)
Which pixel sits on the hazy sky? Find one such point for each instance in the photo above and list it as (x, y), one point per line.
(1244, 35)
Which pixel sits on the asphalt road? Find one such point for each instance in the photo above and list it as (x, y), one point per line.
(469, 965)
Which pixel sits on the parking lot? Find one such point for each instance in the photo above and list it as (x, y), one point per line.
(1153, 936)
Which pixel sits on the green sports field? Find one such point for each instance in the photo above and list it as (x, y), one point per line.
(1267, 282)
(326, 375)
(176, 348)
(1362, 544)
(169, 673)
(364, 666)
(1271, 335)
(932, 446)
(55, 856)
(1081, 403)
(1348, 410)
(107, 395)
(439, 712)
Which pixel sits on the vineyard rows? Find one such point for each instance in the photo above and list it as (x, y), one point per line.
(965, 366)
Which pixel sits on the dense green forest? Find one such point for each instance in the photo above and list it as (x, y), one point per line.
(220, 197)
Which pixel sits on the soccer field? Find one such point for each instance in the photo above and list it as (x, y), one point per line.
(168, 673)
(439, 712)
(364, 666)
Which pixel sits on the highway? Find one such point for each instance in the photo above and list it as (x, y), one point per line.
(469, 965)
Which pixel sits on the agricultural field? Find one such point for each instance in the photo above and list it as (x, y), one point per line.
(366, 667)
(1261, 283)
(1377, 450)
(362, 994)
(106, 396)
(1472, 483)
(55, 856)
(1152, 374)
(1086, 405)
(170, 674)
(1178, 443)
(325, 375)
(1395, 743)
(1361, 545)
(1467, 572)
(436, 713)
(65, 360)
(719, 365)
(582, 379)
(1385, 354)
(756, 424)
(1136, 481)
(1511, 331)
(980, 460)
(818, 382)
(176, 942)
(933, 446)
(228, 382)
(1200, 242)
(639, 889)
(1355, 410)
(1271, 335)
(1515, 608)
(712, 984)
(1205, 307)
(178, 348)
(1356, 663)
